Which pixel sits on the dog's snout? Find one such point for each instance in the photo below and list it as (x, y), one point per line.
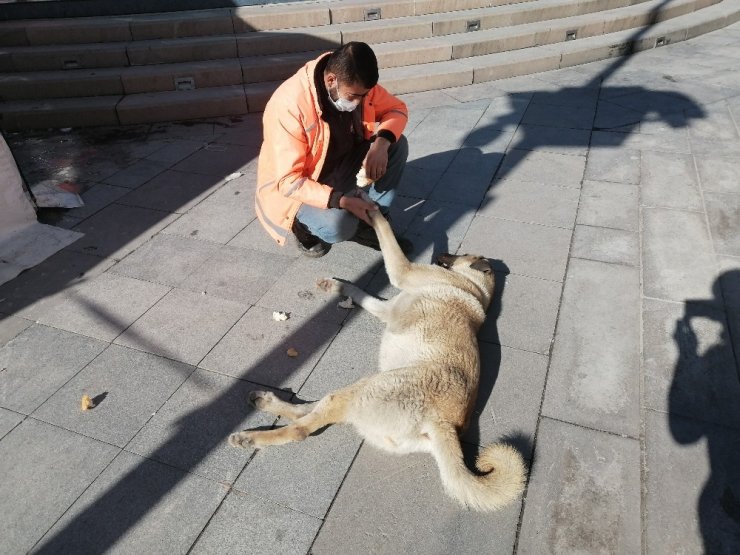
(445, 260)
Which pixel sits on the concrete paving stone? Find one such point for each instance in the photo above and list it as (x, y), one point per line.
(221, 216)
(523, 313)
(127, 387)
(723, 213)
(603, 244)
(427, 249)
(199, 130)
(65, 221)
(670, 127)
(715, 147)
(505, 112)
(38, 361)
(607, 204)
(96, 197)
(692, 477)
(295, 291)
(246, 523)
(548, 167)
(30, 507)
(175, 151)
(395, 504)
(8, 421)
(718, 174)
(104, 307)
(136, 174)
(191, 430)
(216, 159)
(584, 488)
(403, 211)
(352, 355)
(713, 122)
(730, 280)
(255, 349)
(669, 180)
(613, 165)
(642, 141)
(531, 202)
(676, 266)
(441, 224)
(416, 116)
(482, 148)
(10, 326)
(658, 102)
(581, 95)
(467, 188)
(136, 505)
(573, 117)
(420, 181)
(688, 362)
(305, 475)
(425, 100)
(166, 259)
(117, 230)
(511, 386)
(450, 123)
(244, 130)
(612, 116)
(254, 237)
(235, 274)
(432, 157)
(37, 289)
(183, 325)
(521, 248)
(560, 140)
(173, 191)
(594, 377)
(468, 93)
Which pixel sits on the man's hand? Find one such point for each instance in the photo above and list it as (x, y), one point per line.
(376, 160)
(358, 207)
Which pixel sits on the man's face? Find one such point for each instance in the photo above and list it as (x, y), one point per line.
(353, 92)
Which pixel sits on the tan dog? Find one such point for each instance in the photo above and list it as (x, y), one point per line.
(428, 381)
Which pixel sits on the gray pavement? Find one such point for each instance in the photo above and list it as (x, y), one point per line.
(609, 197)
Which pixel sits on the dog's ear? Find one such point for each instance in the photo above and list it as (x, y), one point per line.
(481, 265)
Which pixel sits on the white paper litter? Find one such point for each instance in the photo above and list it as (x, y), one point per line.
(233, 176)
(280, 316)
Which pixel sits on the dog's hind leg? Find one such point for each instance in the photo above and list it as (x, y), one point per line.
(267, 401)
(329, 410)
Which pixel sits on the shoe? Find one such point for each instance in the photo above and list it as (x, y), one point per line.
(307, 243)
(365, 235)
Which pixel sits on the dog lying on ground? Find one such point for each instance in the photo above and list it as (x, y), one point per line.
(426, 389)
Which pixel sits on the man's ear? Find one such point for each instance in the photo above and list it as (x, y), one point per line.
(481, 265)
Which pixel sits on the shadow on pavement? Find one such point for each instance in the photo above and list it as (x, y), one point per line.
(704, 397)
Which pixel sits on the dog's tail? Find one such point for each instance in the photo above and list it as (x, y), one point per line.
(501, 468)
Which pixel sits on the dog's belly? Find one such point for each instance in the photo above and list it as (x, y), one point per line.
(394, 441)
(399, 350)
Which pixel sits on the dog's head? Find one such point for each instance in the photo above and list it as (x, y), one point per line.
(476, 268)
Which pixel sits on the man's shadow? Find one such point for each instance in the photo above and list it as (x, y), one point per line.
(704, 402)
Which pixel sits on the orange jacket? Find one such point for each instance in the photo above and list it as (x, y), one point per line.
(295, 144)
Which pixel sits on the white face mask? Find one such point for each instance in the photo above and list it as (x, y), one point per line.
(342, 104)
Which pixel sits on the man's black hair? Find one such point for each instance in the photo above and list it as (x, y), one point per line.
(355, 62)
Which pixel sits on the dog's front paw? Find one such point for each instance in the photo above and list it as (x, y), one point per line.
(261, 399)
(330, 285)
(242, 440)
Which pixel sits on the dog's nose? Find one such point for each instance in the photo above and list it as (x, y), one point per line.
(445, 260)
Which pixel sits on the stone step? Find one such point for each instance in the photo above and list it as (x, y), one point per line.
(314, 36)
(255, 69)
(225, 21)
(236, 99)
